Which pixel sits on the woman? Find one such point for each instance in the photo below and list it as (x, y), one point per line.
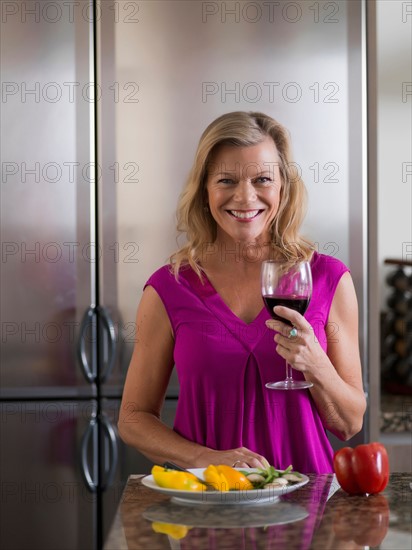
(204, 314)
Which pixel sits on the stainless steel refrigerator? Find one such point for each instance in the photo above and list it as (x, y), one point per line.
(102, 107)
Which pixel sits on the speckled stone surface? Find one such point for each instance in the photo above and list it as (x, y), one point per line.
(317, 516)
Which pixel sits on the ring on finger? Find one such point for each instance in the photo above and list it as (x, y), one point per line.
(293, 332)
(237, 462)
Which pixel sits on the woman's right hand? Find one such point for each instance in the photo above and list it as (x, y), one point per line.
(237, 458)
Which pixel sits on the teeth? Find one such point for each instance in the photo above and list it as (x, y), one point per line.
(244, 215)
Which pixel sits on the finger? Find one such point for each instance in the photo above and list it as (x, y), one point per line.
(291, 356)
(278, 326)
(255, 462)
(282, 342)
(250, 459)
(283, 328)
(274, 324)
(288, 355)
(286, 347)
(239, 464)
(291, 315)
(290, 335)
(283, 352)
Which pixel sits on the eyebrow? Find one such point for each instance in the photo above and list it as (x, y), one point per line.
(261, 173)
(234, 173)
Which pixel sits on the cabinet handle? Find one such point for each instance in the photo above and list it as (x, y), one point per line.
(90, 431)
(88, 370)
(108, 329)
(109, 431)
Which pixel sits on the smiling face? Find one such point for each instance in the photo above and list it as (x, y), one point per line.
(243, 188)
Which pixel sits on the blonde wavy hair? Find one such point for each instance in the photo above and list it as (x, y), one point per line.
(241, 129)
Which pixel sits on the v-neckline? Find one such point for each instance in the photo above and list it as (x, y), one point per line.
(207, 290)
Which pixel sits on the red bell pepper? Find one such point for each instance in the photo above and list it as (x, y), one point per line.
(364, 469)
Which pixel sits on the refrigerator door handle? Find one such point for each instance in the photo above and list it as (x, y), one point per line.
(88, 434)
(112, 437)
(108, 329)
(87, 322)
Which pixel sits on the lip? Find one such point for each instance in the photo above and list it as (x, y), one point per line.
(244, 220)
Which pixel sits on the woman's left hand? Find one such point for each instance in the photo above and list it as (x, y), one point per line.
(303, 351)
(336, 375)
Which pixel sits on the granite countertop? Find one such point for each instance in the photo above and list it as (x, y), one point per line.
(317, 516)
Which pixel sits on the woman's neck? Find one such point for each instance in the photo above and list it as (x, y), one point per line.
(226, 256)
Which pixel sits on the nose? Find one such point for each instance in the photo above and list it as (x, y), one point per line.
(245, 192)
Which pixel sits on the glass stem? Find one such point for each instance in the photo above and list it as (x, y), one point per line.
(289, 377)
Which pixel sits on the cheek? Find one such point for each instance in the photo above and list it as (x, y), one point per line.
(274, 197)
(217, 197)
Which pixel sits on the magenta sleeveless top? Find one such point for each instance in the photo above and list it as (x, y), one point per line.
(224, 363)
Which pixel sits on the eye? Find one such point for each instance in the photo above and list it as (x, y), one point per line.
(225, 181)
(262, 179)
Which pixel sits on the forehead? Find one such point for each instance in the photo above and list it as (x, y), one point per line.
(262, 156)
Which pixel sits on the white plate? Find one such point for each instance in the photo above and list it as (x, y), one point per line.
(254, 496)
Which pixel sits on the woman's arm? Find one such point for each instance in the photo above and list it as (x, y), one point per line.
(337, 376)
(144, 391)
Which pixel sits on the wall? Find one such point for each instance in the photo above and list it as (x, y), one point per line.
(394, 134)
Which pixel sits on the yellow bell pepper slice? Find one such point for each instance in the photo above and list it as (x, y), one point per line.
(173, 479)
(177, 532)
(225, 478)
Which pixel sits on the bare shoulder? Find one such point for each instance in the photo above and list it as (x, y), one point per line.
(151, 313)
(342, 333)
(152, 359)
(344, 303)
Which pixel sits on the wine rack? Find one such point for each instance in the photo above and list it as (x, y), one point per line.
(396, 350)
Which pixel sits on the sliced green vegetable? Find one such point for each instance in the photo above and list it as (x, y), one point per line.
(270, 473)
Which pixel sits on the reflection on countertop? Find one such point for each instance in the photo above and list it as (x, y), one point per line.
(317, 516)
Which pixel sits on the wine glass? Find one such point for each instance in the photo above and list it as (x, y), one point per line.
(287, 284)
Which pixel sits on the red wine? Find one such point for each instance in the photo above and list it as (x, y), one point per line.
(298, 303)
